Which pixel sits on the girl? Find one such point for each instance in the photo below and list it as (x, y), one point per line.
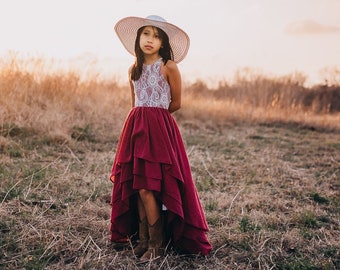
(154, 196)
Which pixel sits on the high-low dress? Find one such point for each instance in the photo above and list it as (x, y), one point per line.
(151, 155)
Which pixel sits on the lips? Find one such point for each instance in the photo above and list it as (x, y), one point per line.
(148, 47)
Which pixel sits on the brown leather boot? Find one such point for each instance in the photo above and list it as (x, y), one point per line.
(143, 242)
(156, 248)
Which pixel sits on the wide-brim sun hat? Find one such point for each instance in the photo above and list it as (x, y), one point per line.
(127, 28)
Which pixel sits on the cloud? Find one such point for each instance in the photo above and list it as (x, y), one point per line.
(310, 27)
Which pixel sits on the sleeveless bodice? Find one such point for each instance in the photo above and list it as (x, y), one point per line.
(151, 89)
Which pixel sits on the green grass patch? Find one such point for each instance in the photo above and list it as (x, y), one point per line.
(246, 225)
(12, 130)
(256, 137)
(297, 263)
(211, 205)
(204, 184)
(309, 220)
(319, 199)
(36, 260)
(83, 133)
(10, 192)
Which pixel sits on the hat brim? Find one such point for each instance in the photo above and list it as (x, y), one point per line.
(127, 28)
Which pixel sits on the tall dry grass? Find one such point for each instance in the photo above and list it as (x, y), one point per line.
(55, 103)
(36, 97)
(255, 97)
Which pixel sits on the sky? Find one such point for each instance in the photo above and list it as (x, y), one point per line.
(275, 37)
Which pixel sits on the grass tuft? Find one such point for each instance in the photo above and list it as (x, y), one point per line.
(82, 133)
(319, 199)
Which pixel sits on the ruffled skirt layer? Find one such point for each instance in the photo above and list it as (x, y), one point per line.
(151, 155)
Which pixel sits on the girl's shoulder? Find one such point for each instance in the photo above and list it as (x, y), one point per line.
(170, 64)
(170, 70)
(170, 67)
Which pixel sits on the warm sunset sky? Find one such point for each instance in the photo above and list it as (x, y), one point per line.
(275, 36)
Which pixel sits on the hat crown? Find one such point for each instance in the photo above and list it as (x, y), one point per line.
(156, 18)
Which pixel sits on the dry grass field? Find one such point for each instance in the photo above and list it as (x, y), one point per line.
(265, 155)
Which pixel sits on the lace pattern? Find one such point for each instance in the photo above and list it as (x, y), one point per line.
(151, 89)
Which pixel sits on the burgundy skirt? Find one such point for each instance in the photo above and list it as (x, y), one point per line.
(151, 155)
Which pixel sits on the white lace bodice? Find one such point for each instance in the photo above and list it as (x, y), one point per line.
(151, 89)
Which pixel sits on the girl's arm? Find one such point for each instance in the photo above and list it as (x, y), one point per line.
(132, 89)
(174, 79)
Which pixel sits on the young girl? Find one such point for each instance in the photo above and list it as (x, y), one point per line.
(154, 196)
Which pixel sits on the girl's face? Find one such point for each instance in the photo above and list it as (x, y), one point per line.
(150, 42)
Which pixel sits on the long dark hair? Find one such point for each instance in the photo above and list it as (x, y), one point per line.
(165, 52)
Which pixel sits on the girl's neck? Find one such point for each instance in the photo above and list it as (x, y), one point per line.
(150, 59)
